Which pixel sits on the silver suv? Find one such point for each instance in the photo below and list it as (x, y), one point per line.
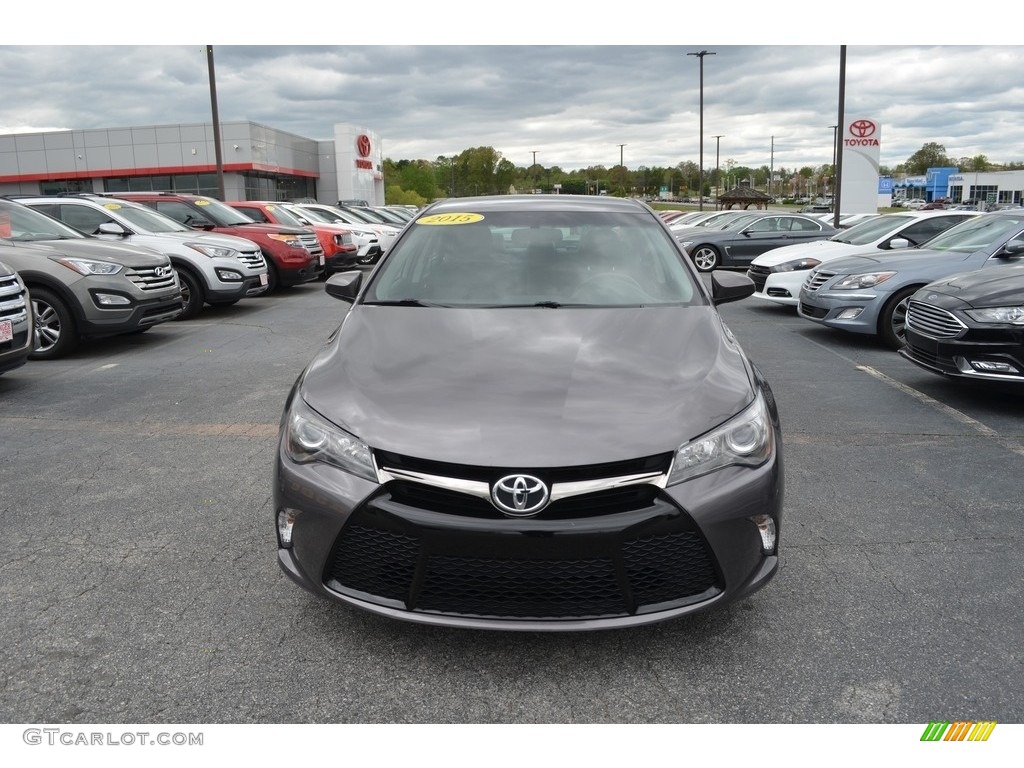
(83, 287)
(213, 268)
(16, 340)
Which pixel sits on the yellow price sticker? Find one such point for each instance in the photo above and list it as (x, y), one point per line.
(111, 206)
(451, 218)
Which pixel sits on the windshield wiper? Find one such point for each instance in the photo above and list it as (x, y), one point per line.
(403, 303)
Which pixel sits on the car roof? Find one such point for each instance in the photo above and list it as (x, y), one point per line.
(601, 203)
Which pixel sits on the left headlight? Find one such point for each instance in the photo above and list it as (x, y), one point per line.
(1013, 315)
(746, 439)
(214, 251)
(309, 437)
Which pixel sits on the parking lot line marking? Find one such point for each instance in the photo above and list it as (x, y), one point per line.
(953, 413)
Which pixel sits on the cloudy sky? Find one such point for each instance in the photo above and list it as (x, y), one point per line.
(572, 104)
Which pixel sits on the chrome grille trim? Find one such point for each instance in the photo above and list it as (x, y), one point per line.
(311, 244)
(817, 279)
(558, 490)
(934, 322)
(252, 260)
(147, 279)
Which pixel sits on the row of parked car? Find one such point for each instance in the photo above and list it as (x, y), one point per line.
(83, 266)
(944, 287)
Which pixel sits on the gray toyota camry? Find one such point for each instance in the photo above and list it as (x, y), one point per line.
(532, 417)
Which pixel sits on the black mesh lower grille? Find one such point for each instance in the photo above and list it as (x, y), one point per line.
(644, 553)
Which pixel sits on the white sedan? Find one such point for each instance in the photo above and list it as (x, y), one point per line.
(779, 273)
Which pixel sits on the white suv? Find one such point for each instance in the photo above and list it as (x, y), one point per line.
(212, 268)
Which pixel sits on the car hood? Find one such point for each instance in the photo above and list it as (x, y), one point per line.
(818, 249)
(993, 287)
(214, 239)
(908, 258)
(96, 249)
(528, 387)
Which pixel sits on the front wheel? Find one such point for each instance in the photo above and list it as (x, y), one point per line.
(191, 294)
(706, 258)
(892, 323)
(55, 330)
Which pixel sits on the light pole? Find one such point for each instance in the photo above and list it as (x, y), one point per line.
(700, 192)
(718, 176)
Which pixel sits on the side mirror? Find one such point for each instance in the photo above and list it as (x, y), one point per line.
(111, 228)
(198, 222)
(899, 242)
(344, 285)
(730, 286)
(1013, 248)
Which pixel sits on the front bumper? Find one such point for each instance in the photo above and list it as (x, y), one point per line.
(986, 356)
(777, 287)
(627, 557)
(854, 311)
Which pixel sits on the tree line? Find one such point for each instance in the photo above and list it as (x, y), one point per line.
(483, 171)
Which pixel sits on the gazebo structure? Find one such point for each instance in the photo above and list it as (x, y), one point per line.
(742, 196)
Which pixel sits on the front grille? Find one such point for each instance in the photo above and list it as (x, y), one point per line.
(934, 322)
(817, 279)
(311, 244)
(151, 278)
(514, 569)
(550, 475)
(252, 260)
(816, 312)
(759, 275)
(12, 299)
(929, 359)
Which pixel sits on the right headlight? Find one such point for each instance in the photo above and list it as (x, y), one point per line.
(1013, 315)
(309, 437)
(746, 439)
(796, 265)
(858, 282)
(214, 251)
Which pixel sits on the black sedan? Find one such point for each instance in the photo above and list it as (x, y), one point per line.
(970, 326)
(747, 238)
(533, 418)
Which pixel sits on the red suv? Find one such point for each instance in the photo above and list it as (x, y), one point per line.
(293, 254)
(340, 249)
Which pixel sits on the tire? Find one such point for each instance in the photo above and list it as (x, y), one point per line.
(892, 321)
(272, 282)
(706, 258)
(55, 330)
(192, 293)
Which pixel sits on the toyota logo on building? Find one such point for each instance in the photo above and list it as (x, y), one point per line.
(520, 495)
(862, 128)
(363, 145)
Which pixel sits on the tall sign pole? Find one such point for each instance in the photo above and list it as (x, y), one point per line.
(700, 191)
(216, 124)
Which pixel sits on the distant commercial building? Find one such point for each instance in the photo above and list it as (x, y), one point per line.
(1005, 187)
(259, 162)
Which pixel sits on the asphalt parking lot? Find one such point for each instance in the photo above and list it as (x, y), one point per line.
(140, 581)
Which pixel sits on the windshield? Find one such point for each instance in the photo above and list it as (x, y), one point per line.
(536, 258)
(146, 219)
(285, 216)
(311, 214)
(979, 232)
(221, 214)
(871, 230)
(23, 224)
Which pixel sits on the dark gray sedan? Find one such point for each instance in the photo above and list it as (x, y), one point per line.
(532, 417)
(745, 239)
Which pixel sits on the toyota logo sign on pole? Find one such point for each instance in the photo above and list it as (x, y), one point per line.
(862, 153)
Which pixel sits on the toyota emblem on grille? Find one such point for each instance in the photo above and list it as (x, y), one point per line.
(520, 495)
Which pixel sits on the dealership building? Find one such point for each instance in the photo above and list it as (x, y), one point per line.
(1005, 187)
(258, 162)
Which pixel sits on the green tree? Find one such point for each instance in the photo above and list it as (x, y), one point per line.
(931, 155)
